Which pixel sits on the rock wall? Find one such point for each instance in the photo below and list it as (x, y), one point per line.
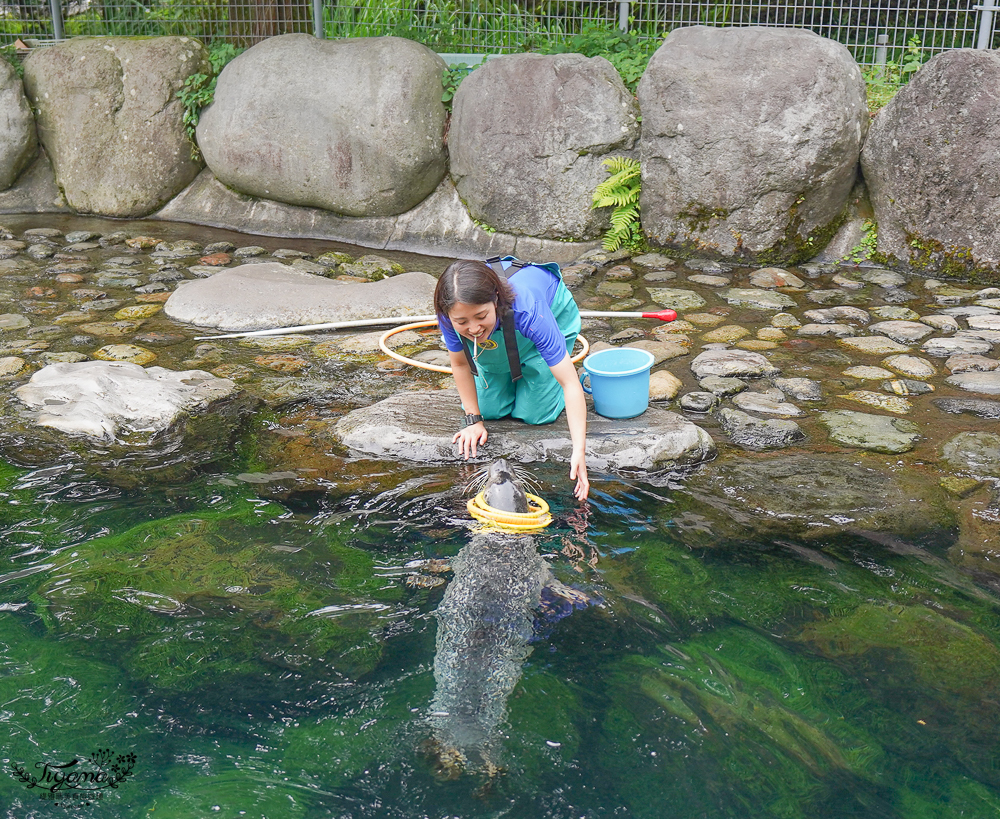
(751, 141)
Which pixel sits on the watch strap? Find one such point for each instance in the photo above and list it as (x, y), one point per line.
(472, 419)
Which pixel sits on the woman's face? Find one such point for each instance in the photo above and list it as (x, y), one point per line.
(474, 321)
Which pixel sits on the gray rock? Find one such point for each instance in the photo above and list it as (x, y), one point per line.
(676, 299)
(834, 330)
(987, 383)
(828, 296)
(766, 403)
(907, 386)
(104, 400)
(709, 281)
(775, 277)
(882, 278)
(732, 363)
(975, 452)
(698, 401)
(753, 433)
(759, 299)
(722, 386)
(876, 433)
(419, 426)
(784, 105)
(990, 322)
(834, 315)
(18, 140)
(801, 389)
(109, 118)
(873, 345)
(955, 345)
(980, 407)
(353, 126)
(910, 365)
(439, 226)
(905, 332)
(656, 261)
(847, 281)
(943, 324)
(965, 363)
(13, 321)
(561, 116)
(270, 295)
(797, 496)
(926, 157)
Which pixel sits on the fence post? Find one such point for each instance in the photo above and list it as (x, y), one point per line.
(881, 53)
(318, 18)
(623, 9)
(985, 23)
(55, 7)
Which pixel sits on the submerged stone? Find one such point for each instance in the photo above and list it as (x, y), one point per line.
(987, 383)
(753, 433)
(974, 451)
(980, 407)
(877, 433)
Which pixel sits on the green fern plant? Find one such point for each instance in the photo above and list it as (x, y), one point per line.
(621, 192)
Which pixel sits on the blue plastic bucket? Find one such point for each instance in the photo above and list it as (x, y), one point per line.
(619, 381)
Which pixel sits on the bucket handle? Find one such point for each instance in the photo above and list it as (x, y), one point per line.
(586, 389)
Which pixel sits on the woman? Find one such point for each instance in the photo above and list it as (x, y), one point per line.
(472, 300)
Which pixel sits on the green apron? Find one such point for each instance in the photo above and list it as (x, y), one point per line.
(535, 398)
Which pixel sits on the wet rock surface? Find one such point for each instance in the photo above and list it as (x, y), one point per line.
(734, 383)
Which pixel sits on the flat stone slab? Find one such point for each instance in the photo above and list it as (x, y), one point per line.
(419, 426)
(104, 400)
(759, 299)
(270, 294)
(986, 383)
(732, 363)
(878, 433)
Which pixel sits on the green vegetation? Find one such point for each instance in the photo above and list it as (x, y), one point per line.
(866, 246)
(621, 192)
(199, 89)
(882, 82)
(451, 79)
(628, 52)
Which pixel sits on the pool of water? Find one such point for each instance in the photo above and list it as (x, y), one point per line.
(230, 643)
(261, 656)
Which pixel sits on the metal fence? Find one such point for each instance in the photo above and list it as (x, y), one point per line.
(874, 30)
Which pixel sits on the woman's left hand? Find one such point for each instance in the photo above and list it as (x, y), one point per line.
(578, 471)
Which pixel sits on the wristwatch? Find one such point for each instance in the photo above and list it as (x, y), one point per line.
(472, 419)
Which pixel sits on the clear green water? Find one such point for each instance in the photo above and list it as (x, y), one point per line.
(263, 658)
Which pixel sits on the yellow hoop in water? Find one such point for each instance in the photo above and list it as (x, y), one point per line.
(434, 368)
(537, 517)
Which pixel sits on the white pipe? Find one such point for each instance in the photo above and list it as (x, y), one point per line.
(374, 322)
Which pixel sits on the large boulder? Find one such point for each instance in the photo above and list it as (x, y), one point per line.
(270, 295)
(419, 426)
(352, 126)
(111, 122)
(527, 139)
(931, 161)
(750, 141)
(18, 142)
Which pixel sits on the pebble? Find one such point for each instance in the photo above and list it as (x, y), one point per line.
(138, 311)
(676, 299)
(663, 386)
(698, 401)
(847, 282)
(125, 352)
(759, 299)
(620, 273)
(11, 365)
(905, 332)
(801, 389)
(986, 383)
(723, 387)
(883, 278)
(943, 324)
(13, 321)
(653, 260)
(955, 345)
(873, 345)
(833, 330)
(785, 321)
(964, 363)
(215, 259)
(836, 315)
(704, 319)
(892, 403)
(911, 365)
(775, 277)
(726, 334)
(616, 290)
(896, 313)
(766, 403)
(709, 281)
(69, 278)
(282, 363)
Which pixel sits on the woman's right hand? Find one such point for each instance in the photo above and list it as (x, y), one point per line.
(470, 438)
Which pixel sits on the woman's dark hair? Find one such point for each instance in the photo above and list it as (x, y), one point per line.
(471, 282)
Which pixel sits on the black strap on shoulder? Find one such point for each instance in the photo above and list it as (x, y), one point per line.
(506, 322)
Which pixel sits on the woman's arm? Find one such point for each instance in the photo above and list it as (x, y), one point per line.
(468, 438)
(576, 417)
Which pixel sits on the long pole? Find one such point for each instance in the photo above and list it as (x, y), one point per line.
(57, 26)
(662, 315)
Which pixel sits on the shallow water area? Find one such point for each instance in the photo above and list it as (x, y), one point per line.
(244, 641)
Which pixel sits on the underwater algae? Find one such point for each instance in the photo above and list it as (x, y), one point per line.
(188, 600)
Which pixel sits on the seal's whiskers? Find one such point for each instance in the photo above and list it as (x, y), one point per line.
(477, 481)
(525, 477)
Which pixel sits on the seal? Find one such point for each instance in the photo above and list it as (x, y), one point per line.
(503, 490)
(486, 622)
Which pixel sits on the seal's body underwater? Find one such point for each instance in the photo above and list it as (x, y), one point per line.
(484, 628)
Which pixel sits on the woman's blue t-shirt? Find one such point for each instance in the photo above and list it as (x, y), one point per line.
(534, 291)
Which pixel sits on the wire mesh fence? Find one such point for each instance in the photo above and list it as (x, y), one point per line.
(874, 30)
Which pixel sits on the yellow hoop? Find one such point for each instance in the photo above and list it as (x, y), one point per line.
(537, 518)
(434, 368)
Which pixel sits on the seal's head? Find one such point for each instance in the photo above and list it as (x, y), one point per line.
(503, 490)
